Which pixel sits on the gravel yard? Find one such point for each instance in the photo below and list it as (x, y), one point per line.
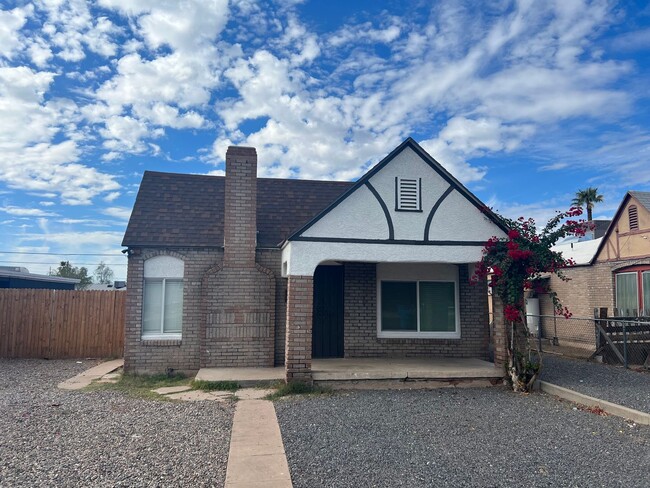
(615, 384)
(457, 437)
(61, 438)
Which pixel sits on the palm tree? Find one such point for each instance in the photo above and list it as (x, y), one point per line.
(587, 197)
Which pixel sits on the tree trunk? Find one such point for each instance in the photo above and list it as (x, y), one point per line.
(523, 369)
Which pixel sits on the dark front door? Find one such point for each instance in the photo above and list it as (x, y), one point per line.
(327, 340)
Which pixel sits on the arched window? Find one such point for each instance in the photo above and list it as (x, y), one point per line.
(162, 315)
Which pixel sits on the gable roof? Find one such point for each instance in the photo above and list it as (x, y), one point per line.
(181, 210)
(427, 158)
(582, 252)
(643, 197)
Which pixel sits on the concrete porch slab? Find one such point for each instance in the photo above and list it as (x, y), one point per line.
(243, 376)
(354, 369)
(366, 369)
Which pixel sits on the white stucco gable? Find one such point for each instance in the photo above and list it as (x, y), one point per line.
(408, 208)
(446, 211)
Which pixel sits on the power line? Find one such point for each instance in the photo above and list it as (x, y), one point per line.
(60, 253)
(58, 263)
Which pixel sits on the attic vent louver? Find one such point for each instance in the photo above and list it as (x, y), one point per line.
(408, 195)
(633, 215)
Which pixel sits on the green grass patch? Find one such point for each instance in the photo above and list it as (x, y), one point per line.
(140, 386)
(296, 388)
(215, 385)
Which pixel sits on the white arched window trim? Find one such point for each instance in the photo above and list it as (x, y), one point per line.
(162, 303)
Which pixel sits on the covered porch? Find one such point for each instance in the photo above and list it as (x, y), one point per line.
(429, 372)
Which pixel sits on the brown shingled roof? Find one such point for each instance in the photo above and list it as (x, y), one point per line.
(181, 210)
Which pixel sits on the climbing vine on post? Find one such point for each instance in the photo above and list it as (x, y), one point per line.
(516, 264)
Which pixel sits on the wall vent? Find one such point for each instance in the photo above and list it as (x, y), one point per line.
(408, 194)
(633, 215)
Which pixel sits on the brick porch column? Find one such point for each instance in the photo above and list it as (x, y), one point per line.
(499, 337)
(300, 297)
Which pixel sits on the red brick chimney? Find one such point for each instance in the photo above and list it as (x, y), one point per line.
(240, 217)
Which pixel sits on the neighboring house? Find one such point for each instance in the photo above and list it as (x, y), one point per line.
(19, 277)
(247, 271)
(613, 271)
(115, 286)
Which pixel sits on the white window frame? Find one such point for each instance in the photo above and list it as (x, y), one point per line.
(162, 334)
(636, 282)
(410, 273)
(157, 269)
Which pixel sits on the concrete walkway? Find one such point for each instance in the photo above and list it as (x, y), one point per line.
(257, 455)
(84, 379)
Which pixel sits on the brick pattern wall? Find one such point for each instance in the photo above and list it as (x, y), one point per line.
(185, 355)
(361, 321)
(272, 259)
(589, 287)
(300, 299)
(499, 336)
(240, 212)
(239, 305)
(160, 355)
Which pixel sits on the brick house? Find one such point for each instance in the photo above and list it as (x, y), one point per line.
(612, 271)
(247, 271)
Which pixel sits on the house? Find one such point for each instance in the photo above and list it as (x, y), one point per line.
(115, 286)
(247, 271)
(612, 271)
(19, 277)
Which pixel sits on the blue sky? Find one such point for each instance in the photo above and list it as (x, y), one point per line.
(525, 102)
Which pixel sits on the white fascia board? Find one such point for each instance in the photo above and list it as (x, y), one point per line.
(302, 257)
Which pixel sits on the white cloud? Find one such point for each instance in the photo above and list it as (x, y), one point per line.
(180, 25)
(46, 204)
(126, 134)
(353, 34)
(553, 166)
(112, 196)
(121, 213)
(11, 21)
(31, 160)
(26, 212)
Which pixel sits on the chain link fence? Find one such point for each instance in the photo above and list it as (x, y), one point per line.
(616, 340)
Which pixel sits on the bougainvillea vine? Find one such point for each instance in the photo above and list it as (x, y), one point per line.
(518, 263)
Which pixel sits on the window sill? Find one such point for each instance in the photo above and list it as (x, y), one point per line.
(418, 335)
(162, 340)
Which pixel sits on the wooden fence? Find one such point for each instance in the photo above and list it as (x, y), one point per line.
(61, 324)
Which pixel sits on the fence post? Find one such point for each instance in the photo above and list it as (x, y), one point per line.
(599, 313)
(625, 343)
(556, 342)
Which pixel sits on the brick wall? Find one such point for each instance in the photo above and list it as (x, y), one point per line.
(272, 259)
(300, 299)
(240, 208)
(589, 287)
(361, 320)
(499, 336)
(239, 306)
(159, 356)
(185, 355)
